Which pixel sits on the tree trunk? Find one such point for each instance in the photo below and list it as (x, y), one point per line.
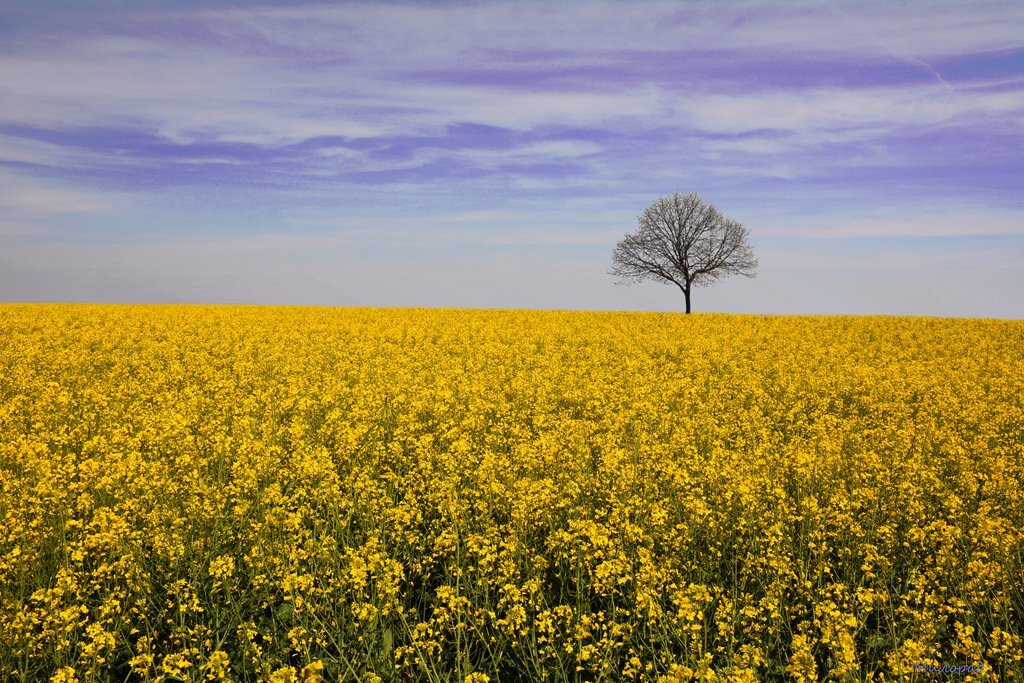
(686, 293)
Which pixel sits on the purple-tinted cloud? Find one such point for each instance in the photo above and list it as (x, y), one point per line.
(710, 70)
(1000, 65)
(564, 118)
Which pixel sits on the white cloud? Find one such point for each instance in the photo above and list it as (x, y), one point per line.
(541, 235)
(446, 34)
(28, 151)
(891, 222)
(514, 108)
(22, 195)
(349, 70)
(844, 111)
(478, 217)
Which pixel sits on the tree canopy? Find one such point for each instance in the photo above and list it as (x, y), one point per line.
(683, 241)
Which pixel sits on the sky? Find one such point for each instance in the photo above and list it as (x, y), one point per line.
(490, 155)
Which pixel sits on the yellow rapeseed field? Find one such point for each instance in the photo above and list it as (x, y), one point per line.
(302, 494)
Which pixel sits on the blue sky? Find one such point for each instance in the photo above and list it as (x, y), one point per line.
(491, 154)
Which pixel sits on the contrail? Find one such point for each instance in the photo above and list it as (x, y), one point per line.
(869, 34)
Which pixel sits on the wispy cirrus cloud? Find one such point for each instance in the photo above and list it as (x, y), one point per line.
(278, 76)
(563, 119)
(20, 195)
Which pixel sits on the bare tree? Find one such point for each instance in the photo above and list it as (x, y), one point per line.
(682, 240)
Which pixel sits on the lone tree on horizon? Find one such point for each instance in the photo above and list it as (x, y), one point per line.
(682, 240)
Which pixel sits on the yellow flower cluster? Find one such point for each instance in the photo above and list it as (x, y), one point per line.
(305, 494)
